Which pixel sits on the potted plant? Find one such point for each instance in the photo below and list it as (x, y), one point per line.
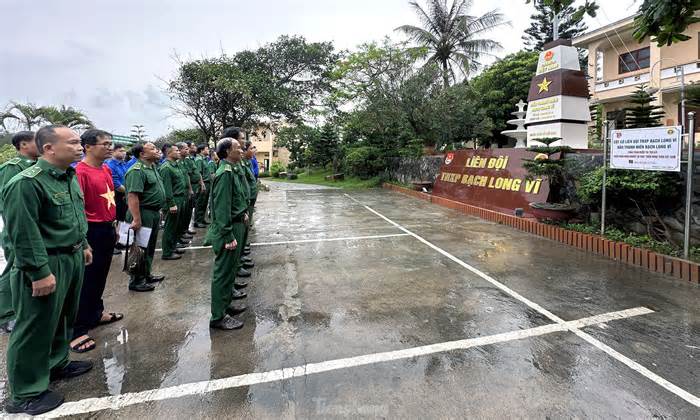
(553, 168)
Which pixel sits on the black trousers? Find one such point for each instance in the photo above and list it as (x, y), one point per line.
(101, 237)
(120, 198)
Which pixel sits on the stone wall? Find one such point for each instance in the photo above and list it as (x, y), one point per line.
(407, 170)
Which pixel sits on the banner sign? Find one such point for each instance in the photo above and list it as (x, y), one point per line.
(491, 178)
(646, 149)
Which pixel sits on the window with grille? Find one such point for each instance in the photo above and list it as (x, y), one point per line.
(634, 60)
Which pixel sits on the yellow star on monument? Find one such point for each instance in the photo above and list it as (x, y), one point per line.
(109, 196)
(544, 86)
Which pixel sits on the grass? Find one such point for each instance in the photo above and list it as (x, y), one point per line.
(317, 177)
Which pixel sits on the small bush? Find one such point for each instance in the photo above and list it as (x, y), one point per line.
(265, 174)
(364, 162)
(276, 168)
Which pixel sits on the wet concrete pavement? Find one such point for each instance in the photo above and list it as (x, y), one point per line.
(383, 290)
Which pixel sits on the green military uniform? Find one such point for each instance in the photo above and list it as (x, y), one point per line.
(46, 227)
(185, 215)
(175, 193)
(203, 196)
(252, 196)
(7, 171)
(228, 208)
(143, 179)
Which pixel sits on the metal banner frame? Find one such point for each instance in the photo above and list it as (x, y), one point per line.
(690, 170)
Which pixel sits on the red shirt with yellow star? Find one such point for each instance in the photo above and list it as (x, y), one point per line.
(98, 189)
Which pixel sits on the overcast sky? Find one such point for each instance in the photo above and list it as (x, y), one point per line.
(109, 58)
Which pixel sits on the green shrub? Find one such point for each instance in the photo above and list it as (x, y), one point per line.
(264, 174)
(276, 168)
(364, 161)
(623, 185)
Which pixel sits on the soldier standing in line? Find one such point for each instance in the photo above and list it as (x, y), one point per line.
(146, 199)
(187, 168)
(175, 191)
(196, 178)
(202, 164)
(246, 261)
(238, 135)
(225, 235)
(28, 154)
(46, 228)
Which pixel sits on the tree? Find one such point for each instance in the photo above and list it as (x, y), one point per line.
(296, 139)
(325, 148)
(571, 24)
(67, 116)
(281, 80)
(452, 37)
(665, 20)
(644, 114)
(499, 87)
(25, 116)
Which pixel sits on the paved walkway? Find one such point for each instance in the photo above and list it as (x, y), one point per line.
(373, 304)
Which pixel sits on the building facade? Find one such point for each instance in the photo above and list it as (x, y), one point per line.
(263, 139)
(618, 65)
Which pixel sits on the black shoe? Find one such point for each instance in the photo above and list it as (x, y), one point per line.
(186, 238)
(247, 248)
(71, 370)
(246, 259)
(155, 279)
(247, 264)
(179, 251)
(237, 294)
(242, 272)
(116, 252)
(183, 241)
(171, 257)
(180, 246)
(141, 287)
(246, 252)
(191, 232)
(42, 403)
(200, 225)
(240, 284)
(235, 309)
(226, 323)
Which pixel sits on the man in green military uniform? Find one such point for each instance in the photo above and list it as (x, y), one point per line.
(146, 199)
(175, 191)
(190, 172)
(46, 228)
(229, 214)
(246, 261)
(26, 148)
(202, 164)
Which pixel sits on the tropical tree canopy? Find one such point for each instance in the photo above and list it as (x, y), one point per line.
(453, 38)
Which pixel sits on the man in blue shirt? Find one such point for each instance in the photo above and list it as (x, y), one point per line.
(254, 163)
(118, 166)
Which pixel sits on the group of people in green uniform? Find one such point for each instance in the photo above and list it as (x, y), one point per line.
(46, 248)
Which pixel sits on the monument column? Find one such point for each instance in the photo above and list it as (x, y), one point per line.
(558, 98)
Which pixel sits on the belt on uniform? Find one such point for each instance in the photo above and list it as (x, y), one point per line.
(151, 208)
(65, 249)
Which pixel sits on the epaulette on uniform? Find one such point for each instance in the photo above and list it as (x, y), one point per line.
(13, 161)
(137, 166)
(227, 168)
(31, 172)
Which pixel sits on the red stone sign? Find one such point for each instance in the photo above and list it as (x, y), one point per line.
(492, 178)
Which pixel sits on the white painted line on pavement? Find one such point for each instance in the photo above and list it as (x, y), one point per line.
(309, 241)
(678, 391)
(197, 388)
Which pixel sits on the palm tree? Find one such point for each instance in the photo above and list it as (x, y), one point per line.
(453, 38)
(68, 116)
(26, 116)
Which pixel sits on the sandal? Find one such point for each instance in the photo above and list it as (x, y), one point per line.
(113, 317)
(77, 348)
